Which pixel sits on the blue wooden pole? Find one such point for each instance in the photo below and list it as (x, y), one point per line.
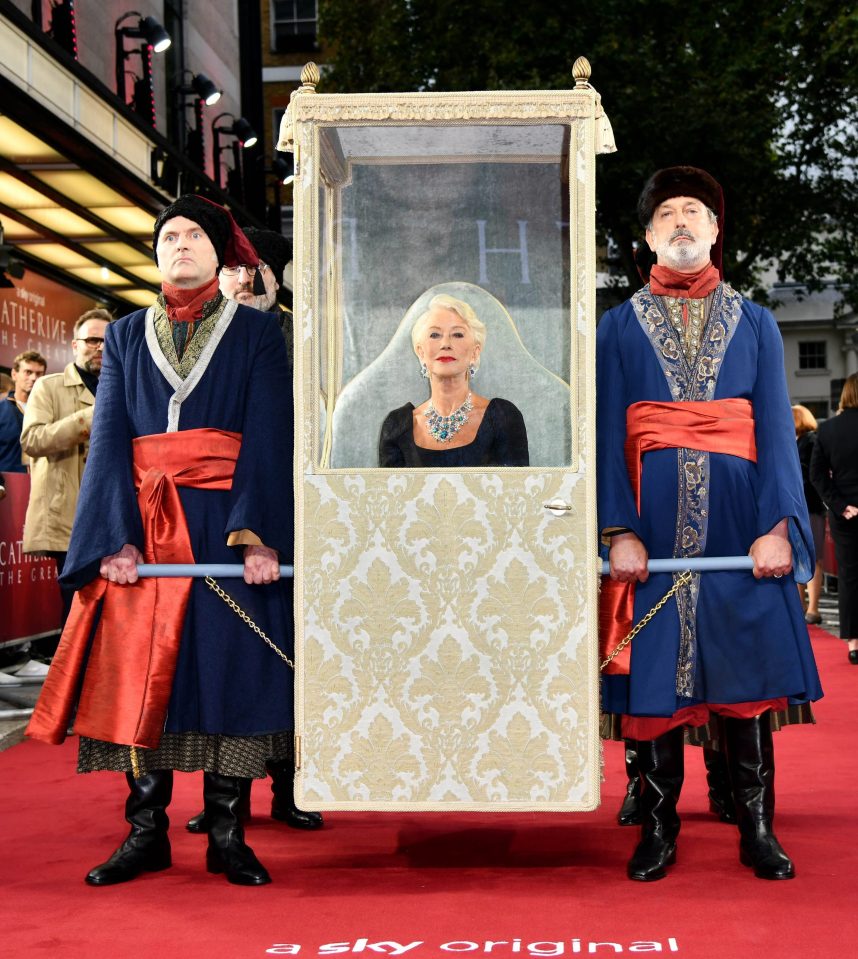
(702, 564)
(199, 570)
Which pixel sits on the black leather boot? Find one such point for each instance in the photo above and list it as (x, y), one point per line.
(662, 765)
(227, 851)
(198, 823)
(751, 760)
(283, 808)
(147, 848)
(630, 811)
(720, 791)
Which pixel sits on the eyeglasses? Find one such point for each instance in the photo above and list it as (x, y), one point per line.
(249, 270)
(93, 342)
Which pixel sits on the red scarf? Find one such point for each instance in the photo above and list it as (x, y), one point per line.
(692, 286)
(186, 306)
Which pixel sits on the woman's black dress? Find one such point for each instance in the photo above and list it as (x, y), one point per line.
(501, 440)
(834, 472)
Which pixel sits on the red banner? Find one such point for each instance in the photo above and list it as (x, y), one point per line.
(30, 604)
(38, 314)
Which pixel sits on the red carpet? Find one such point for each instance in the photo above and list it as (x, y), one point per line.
(429, 886)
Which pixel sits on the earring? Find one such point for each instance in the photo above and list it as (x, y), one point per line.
(424, 371)
(472, 370)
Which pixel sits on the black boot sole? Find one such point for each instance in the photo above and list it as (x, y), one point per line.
(216, 866)
(761, 873)
(91, 880)
(659, 872)
(297, 823)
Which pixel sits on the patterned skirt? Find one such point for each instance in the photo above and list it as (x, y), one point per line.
(243, 756)
(796, 714)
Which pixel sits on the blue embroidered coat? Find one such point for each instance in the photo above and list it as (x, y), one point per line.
(727, 637)
(227, 679)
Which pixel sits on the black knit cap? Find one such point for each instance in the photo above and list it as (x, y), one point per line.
(273, 248)
(683, 181)
(214, 221)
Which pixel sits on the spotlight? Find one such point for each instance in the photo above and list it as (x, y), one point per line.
(199, 93)
(156, 36)
(156, 41)
(239, 128)
(283, 167)
(244, 131)
(205, 89)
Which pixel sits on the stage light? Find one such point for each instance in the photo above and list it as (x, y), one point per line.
(239, 128)
(283, 167)
(203, 88)
(157, 40)
(199, 93)
(244, 131)
(156, 36)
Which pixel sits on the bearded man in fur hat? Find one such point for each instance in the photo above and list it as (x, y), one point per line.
(696, 457)
(182, 468)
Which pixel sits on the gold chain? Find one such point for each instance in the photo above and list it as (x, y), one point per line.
(681, 580)
(135, 762)
(233, 605)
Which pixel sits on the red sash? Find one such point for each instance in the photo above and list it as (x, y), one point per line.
(717, 426)
(129, 672)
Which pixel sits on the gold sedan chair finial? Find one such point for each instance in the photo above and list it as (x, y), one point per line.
(310, 77)
(581, 72)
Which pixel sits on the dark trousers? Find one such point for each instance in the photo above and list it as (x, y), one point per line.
(844, 532)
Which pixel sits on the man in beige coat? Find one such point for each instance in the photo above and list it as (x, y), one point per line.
(55, 434)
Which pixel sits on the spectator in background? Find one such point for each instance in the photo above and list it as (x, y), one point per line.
(260, 287)
(834, 472)
(55, 435)
(6, 385)
(805, 436)
(27, 367)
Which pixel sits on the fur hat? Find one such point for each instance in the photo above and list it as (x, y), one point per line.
(273, 248)
(230, 245)
(684, 181)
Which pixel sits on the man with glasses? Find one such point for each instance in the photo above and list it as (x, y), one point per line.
(259, 286)
(55, 434)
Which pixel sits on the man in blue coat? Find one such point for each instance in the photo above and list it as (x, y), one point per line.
(697, 457)
(191, 439)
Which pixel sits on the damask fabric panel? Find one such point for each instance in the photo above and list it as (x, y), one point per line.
(404, 700)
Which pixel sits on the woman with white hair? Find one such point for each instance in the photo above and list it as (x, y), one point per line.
(454, 427)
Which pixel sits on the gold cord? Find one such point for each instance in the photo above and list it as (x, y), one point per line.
(233, 605)
(135, 762)
(681, 580)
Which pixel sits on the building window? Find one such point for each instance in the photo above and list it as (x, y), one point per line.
(812, 355)
(293, 26)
